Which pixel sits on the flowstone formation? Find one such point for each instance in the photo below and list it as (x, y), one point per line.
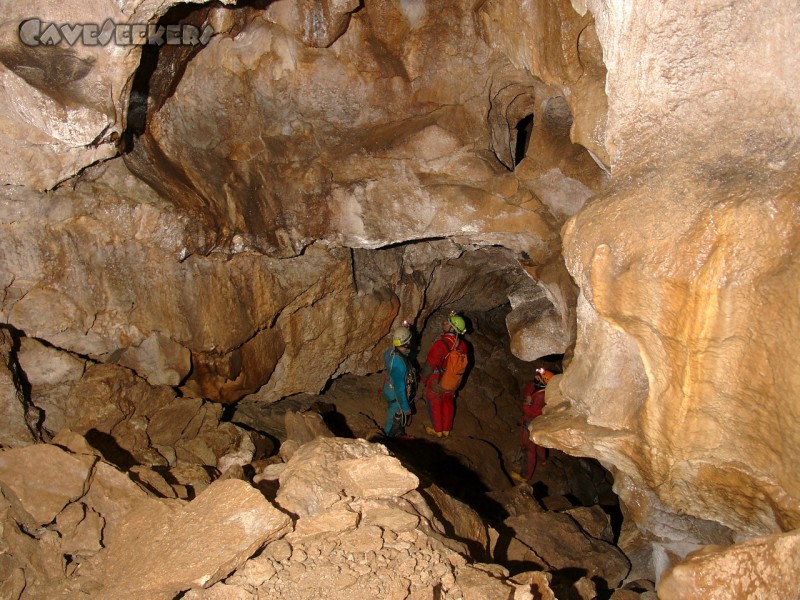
(242, 217)
(684, 375)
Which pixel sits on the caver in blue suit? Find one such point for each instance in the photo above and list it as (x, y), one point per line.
(395, 393)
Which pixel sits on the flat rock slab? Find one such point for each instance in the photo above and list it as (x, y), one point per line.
(327, 470)
(193, 547)
(44, 479)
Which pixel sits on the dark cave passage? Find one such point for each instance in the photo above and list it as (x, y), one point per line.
(474, 464)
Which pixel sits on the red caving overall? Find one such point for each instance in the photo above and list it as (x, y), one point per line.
(441, 406)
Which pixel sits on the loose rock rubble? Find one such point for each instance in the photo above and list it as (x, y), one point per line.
(98, 534)
(342, 518)
(378, 541)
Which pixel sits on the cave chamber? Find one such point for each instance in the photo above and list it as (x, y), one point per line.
(206, 246)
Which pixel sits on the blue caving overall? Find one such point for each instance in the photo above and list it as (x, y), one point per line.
(394, 392)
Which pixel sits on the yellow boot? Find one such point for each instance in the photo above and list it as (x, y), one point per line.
(430, 430)
(445, 433)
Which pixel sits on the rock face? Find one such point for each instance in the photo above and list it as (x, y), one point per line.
(679, 379)
(326, 468)
(298, 164)
(14, 407)
(548, 534)
(248, 217)
(126, 541)
(44, 479)
(195, 546)
(316, 116)
(194, 336)
(764, 567)
(65, 104)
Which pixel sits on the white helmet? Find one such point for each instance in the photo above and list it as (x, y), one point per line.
(401, 336)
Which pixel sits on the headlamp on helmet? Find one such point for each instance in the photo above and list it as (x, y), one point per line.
(458, 323)
(542, 377)
(401, 336)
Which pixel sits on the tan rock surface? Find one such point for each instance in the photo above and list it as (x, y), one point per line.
(562, 545)
(115, 497)
(426, 160)
(13, 406)
(373, 539)
(43, 479)
(326, 470)
(45, 366)
(653, 370)
(303, 428)
(136, 322)
(678, 379)
(81, 530)
(196, 546)
(361, 546)
(475, 584)
(376, 477)
(338, 131)
(282, 305)
(65, 104)
(759, 568)
(459, 520)
(560, 46)
(594, 521)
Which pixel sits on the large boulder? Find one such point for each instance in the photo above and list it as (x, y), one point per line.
(193, 546)
(42, 479)
(764, 567)
(325, 470)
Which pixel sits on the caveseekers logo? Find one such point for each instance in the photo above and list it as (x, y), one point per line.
(35, 32)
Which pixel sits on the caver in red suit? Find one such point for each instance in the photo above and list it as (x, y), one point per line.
(441, 403)
(531, 408)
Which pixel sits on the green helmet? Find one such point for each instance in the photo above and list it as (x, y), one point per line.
(457, 322)
(401, 336)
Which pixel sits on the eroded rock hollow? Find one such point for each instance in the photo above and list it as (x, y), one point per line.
(208, 236)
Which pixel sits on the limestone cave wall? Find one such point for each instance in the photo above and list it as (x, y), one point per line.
(219, 218)
(267, 179)
(682, 358)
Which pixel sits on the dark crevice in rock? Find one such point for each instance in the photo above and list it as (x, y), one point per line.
(110, 449)
(523, 138)
(33, 416)
(161, 68)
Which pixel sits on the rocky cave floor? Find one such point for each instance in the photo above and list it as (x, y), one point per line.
(567, 521)
(150, 492)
